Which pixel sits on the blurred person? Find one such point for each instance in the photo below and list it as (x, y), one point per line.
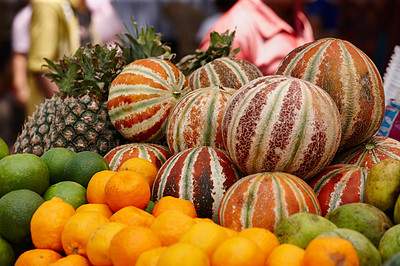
(221, 7)
(266, 30)
(58, 27)
(20, 47)
(12, 114)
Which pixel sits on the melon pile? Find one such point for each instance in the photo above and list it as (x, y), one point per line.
(229, 136)
(252, 151)
(254, 154)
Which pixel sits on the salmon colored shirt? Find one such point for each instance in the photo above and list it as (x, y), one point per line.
(265, 39)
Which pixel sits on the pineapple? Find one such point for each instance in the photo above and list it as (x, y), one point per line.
(76, 117)
(220, 46)
(218, 65)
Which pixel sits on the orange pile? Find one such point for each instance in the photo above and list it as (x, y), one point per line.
(113, 228)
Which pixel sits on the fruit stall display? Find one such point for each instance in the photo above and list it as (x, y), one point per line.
(141, 160)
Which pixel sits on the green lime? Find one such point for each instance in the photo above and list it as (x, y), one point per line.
(55, 159)
(83, 165)
(7, 255)
(23, 171)
(71, 192)
(16, 210)
(4, 151)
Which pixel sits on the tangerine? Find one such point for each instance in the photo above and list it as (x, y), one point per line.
(130, 242)
(127, 188)
(48, 222)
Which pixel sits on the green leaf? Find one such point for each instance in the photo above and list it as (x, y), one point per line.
(90, 70)
(220, 46)
(143, 43)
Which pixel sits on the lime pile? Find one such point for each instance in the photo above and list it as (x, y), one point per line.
(27, 180)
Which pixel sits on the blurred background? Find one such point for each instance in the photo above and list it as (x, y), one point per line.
(371, 25)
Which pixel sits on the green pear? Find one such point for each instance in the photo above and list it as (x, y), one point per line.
(300, 228)
(396, 212)
(362, 217)
(390, 243)
(393, 261)
(382, 186)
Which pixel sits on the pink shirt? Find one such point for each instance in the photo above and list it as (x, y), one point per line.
(265, 39)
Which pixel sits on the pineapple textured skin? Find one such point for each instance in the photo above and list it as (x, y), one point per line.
(78, 124)
(34, 137)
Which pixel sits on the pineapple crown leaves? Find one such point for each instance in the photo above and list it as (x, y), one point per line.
(144, 43)
(220, 46)
(90, 70)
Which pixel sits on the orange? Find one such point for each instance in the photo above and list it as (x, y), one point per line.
(172, 203)
(96, 207)
(127, 188)
(203, 220)
(238, 251)
(130, 242)
(183, 254)
(98, 245)
(95, 191)
(132, 215)
(285, 254)
(231, 232)
(48, 222)
(206, 236)
(265, 239)
(141, 166)
(77, 230)
(330, 251)
(150, 257)
(72, 260)
(171, 225)
(37, 257)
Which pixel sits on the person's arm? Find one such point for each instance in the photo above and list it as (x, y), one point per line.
(20, 85)
(47, 87)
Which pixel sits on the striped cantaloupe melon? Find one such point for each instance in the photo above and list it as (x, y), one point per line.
(196, 119)
(229, 72)
(201, 175)
(351, 79)
(339, 184)
(264, 199)
(142, 96)
(155, 153)
(370, 152)
(281, 123)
